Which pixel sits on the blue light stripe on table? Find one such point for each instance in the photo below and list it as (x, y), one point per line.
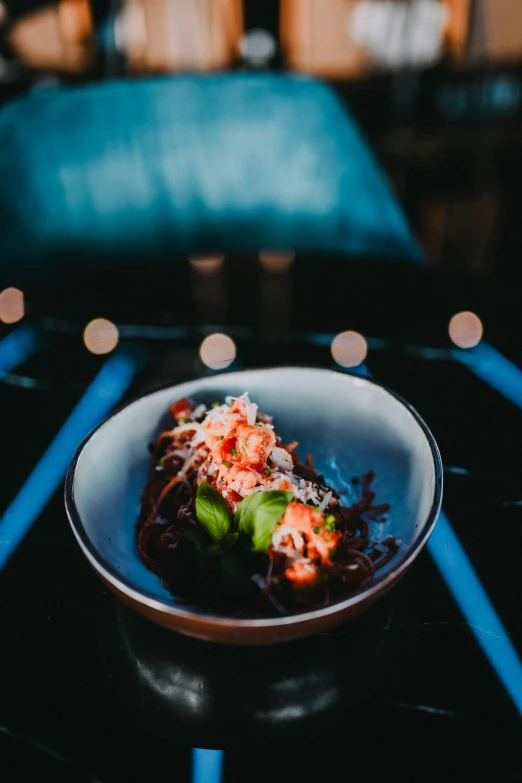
(506, 378)
(360, 369)
(207, 765)
(457, 571)
(461, 580)
(18, 346)
(101, 395)
(490, 365)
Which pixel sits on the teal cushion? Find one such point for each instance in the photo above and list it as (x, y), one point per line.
(141, 169)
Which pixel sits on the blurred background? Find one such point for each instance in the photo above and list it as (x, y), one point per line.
(434, 85)
(365, 217)
(432, 90)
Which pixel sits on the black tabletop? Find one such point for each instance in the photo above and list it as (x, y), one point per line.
(425, 681)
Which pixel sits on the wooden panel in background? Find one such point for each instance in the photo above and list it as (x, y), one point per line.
(346, 39)
(55, 37)
(159, 35)
(151, 35)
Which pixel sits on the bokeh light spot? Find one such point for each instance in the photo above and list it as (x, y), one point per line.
(11, 305)
(258, 46)
(465, 329)
(206, 265)
(349, 349)
(100, 336)
(276, 261)
(217, 351)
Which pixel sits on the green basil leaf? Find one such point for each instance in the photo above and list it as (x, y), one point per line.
(212, 512)
(258, 514)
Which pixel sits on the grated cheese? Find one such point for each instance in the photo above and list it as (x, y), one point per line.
(283, 532)
(324, 502)
(251, 407)
(198, 412)
(205, 437)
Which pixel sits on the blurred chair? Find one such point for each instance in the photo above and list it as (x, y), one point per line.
(143, 170)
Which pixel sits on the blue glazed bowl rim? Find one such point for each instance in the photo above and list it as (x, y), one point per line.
(374, 589)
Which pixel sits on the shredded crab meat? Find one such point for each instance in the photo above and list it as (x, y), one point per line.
(249, 407)
(239, 449)
(234, 448)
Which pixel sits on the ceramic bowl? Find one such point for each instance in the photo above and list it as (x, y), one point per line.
(349, 423)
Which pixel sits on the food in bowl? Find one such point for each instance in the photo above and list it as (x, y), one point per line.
(349, 423)
(231, 520)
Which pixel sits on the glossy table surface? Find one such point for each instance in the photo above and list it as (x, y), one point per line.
(427, 678)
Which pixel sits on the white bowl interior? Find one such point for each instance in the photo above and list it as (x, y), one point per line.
(349, 424)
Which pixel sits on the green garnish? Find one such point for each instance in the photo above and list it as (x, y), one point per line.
(258, 514)
(226, 463)
(221, 437)
(329, 523)
(215, 405)
(161, 462)
(267, 471)
(184, 420)
(244, 451)
(212, 512)
(233, 451)
(255, 518)
(317, 529)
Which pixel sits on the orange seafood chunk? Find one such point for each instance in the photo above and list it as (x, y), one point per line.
(217, 428)
(243, 450)
(302, 574)
(303, 518)
(240, 408)
(181, 409)
(254, 443)
(311, 524)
